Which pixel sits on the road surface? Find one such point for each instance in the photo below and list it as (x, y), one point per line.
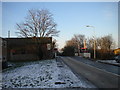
(99, 77)
(105, 67)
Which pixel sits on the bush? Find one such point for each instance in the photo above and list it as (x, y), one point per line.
(104, 54)
(68, 51)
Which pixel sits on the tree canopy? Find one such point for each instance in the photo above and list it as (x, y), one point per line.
(38, 23)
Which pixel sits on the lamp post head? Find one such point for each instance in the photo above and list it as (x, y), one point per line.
(90, 26)
(87, 26)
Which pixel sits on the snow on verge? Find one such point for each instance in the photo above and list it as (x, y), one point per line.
(109, 62)
(41, 74)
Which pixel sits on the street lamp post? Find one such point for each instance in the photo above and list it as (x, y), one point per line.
(94, 41)
(78, 46)
(78, 49)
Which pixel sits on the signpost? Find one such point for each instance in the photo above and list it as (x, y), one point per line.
(55, 50)
(48, 46)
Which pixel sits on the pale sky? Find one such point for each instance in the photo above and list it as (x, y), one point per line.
(71, 18)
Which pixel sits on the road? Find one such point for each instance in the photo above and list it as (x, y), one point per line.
(99, 77)
(105, 67)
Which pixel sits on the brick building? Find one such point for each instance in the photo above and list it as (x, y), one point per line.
(20, 49)
(3, 49)
(3, 52)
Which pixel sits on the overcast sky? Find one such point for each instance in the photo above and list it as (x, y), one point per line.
(71, 18)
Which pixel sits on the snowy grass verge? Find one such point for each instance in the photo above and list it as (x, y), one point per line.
(112, 62)
(41, 74)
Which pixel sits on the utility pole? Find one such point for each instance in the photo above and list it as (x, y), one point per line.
(9, 34)
(94, 48)
(94, 41)
(78, 49)
(85, 47)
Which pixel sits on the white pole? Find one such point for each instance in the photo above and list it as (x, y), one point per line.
(94, 44)
(94, 49)
(8, 34)
(94, 41)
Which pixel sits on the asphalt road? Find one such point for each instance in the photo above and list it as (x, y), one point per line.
(99, 77)
(105, 67)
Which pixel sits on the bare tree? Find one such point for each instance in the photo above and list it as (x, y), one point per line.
(105, 43)
(79, 39)
(77, 42)
(105, 47)
(38, 23)
(90, 43)
(71, 43)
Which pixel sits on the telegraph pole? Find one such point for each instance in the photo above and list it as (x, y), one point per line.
(9, 34)
(94, 41)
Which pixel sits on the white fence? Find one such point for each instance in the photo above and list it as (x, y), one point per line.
(87, 55)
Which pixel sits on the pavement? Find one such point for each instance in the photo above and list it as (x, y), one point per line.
(96, 73)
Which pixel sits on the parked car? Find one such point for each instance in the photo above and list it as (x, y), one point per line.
(117, 58)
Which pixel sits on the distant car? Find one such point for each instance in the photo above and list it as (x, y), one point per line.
(117, 58)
